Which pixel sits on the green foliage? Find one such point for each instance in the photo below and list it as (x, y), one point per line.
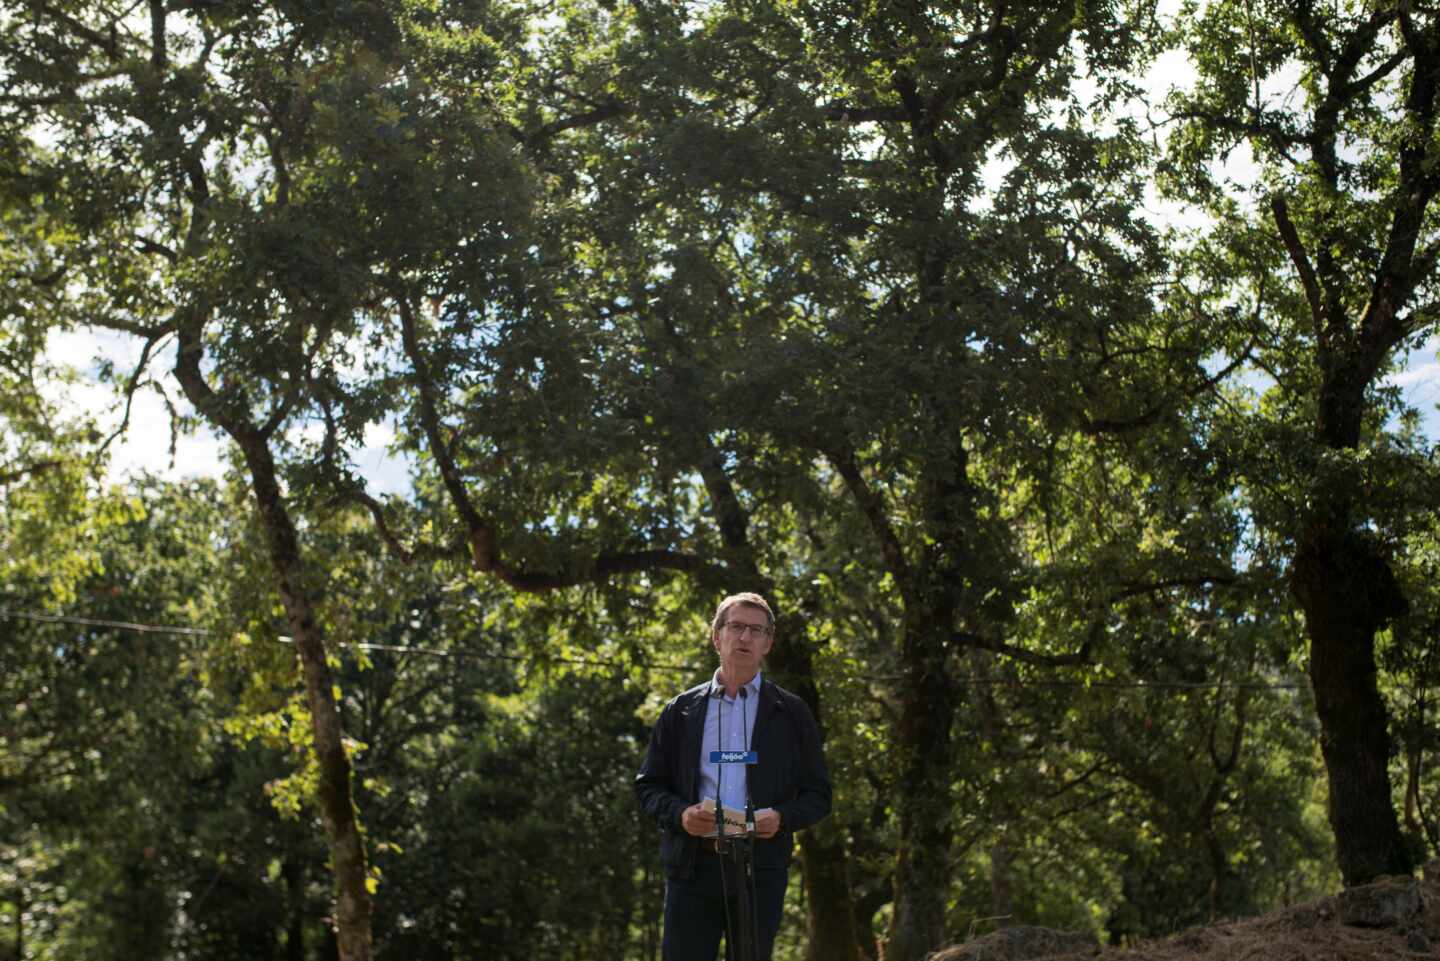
(855, 303)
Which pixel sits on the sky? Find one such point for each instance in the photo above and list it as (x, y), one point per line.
(145, 446)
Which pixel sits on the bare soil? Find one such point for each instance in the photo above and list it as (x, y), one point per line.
(1317, 931)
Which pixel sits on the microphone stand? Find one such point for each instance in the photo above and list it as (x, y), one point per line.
(722, 844)
(737, 853)
(747, 935)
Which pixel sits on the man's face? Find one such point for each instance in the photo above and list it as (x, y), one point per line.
(742, 640)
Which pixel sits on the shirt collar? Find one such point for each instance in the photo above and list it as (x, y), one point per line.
(753, 684)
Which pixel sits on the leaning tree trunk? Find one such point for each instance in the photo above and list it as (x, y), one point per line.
(337, 809)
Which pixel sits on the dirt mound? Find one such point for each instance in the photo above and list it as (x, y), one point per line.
(1393, 919)
(1021, 942)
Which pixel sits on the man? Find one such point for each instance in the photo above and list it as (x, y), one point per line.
(786, 784)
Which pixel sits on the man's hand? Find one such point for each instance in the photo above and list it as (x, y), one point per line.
(767, 823)
(697, 821)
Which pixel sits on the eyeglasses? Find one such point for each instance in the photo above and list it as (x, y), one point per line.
(740, 628)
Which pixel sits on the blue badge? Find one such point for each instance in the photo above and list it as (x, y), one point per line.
(734, 757)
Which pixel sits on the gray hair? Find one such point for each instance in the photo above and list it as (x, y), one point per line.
(743, 599)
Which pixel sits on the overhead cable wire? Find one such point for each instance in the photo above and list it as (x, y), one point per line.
(679, 668)
(1180, 685)
(283, 639)
(96, 622)
(491, 656)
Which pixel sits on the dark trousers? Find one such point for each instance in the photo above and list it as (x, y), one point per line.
(695, 909)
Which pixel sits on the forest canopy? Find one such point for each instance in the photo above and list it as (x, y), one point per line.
(1102, 544)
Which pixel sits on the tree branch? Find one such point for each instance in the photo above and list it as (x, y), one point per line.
(872, 507)
(1150, 587)
(482, 538)
(541, 137)
(1095, 428)
(359, 495)
(39, 467)
(1301, 260)
(105, 44)
(1082, 656)
(485, 552)
(131, 385)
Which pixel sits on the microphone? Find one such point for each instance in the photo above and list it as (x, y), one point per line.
(749, 803)
(719, 746)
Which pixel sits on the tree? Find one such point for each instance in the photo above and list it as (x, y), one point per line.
(1333, 266)
(834, 306)
(851, 306)
(152, 123)
(110, 734)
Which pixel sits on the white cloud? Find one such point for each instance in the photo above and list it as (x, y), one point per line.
(145, 444)
(384, 472)
(1420, 380)
(1424, 376)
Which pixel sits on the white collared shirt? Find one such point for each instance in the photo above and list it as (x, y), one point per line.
(729, 725)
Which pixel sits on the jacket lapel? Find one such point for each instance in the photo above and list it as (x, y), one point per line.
(694, 714)
(769, 704)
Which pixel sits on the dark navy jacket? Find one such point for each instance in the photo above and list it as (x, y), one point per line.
(790, 776)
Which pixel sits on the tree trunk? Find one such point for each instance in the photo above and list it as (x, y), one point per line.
(337, 806)
(1002, 882)
(825, 864)
(927, 696)
(1002, 887)
(1343, 581)
(294, 909)
(1220, 873)
(1347, 590)
(832, 932)
(922, 797)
